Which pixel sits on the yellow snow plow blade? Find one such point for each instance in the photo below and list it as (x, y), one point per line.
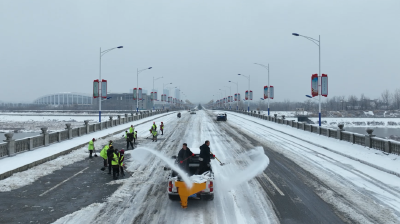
(184, 192)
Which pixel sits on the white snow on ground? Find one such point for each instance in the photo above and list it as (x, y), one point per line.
(143, 198)
(286, 113)
(353, 187)
(359, 122)
(369, 113)
(24, 178)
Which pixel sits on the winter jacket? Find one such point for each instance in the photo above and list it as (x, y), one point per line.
(130, 137)
(91, 145)
(184, 154)
(114, 157)
(205, 153)
(162, 127)
(131, 129)
(110, 153)
(121, 159)
(103, 152)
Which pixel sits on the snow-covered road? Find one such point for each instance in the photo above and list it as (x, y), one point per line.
(305, 182)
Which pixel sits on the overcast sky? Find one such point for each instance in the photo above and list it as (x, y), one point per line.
(53, 46)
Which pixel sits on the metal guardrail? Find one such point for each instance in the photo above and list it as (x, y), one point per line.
(346, 136)
(359, 139)
(395, 147)
(3, 150)
(368, 140)
(53, 137)
(64, 135)
(332, 133)
(22, 145)
(38, 141)
(91, 128)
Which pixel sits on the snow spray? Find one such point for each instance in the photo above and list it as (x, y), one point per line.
(258, 162)
(140, 155)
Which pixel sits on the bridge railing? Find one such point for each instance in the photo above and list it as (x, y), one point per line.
(12, 146)
(368, 140)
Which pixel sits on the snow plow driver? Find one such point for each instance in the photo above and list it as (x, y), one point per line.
(183, 157)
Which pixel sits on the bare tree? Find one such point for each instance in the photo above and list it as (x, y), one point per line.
(385, 96)
(396, 98)
(353, 101)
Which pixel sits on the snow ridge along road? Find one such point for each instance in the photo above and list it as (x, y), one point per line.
(357, 191)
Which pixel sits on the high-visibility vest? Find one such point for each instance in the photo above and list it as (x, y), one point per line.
(115, 160)
(131, 129)
(126, 135)
(121, 158)
(162, 127)
(91, 145)
(154, 126)
(154, 133)
(103, 152)
(135, 135)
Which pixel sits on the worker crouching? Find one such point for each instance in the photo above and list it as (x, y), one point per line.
(154, 133)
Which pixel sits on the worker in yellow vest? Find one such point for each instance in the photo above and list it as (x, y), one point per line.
(91, 147)
(154, 127)
(134, 137)
(154, 132)
(121, 161)
(103, 154)
(162, 128)
(131, 129)
(114, 162)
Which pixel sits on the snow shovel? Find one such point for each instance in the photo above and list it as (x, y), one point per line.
(220, 163)
(95, 154)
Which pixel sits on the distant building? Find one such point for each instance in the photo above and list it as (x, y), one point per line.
(68, 98)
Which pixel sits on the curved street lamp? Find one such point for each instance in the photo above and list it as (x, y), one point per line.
(237, 92)
(318, 43)
(248, 101)
(101, 55)
(137, 89)
(266, 67)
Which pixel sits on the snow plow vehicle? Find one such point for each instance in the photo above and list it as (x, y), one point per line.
(221, 117)
(203, 184)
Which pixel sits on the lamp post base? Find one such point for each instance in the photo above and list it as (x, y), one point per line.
(319, 119)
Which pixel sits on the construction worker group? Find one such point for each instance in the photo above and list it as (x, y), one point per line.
(114, 158)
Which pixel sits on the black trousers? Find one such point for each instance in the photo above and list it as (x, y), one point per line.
(90, 151)
(134, 140)
(129, 143)
(122, 170)
(105, 162)
(115, 171)
(109, 165)
(162, 131)
(203, 167)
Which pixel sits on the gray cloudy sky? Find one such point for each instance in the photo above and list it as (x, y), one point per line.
(53, 46)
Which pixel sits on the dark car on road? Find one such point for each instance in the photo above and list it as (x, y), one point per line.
(221, 117)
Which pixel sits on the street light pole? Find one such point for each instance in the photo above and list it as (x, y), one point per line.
(137, 89)
(237, 96)
(154, 89)
(101, 55)
(318, 43)
(230, 93)
(248, 100)
(268, 91)
(165, 95)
